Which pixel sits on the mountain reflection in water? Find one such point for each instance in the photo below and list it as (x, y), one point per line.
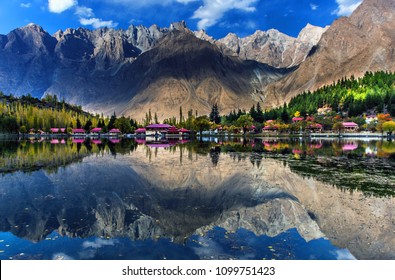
(184, 199)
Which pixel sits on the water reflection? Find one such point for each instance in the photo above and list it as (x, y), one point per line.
(170, 194)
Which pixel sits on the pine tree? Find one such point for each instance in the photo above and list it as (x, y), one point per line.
(214, 115)
(112, 122)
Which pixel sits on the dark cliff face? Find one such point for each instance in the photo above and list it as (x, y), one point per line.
(26, 60)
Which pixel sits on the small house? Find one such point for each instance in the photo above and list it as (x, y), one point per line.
(172, 131)
(315, 127)
(370, 119)
(96, 130)
(184, 132)
(114, 132)
(297, 119)
(350, 126)
(78, 131)
(140, 131)
(157, 129)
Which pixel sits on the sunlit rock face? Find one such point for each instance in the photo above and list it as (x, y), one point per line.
(271, 47)
(352, 45)
(177, 192)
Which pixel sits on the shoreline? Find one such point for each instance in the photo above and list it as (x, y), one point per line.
(313, 136)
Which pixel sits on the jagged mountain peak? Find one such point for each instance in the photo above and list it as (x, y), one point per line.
(312, 33)
(180, 25)
(272, 46)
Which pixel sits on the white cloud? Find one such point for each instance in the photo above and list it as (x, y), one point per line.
(83, 11)
(59, 6)
(344, 254)
(145, 3)
(98, 23)
(25, 5)
(314, 7)
(98, 243)
(87, 17)
(346, 7)
(213, 10)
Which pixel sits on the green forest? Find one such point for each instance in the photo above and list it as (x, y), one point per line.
(347, 99)
(29, 114)
(373, 93)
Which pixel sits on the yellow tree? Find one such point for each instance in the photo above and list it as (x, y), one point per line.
(389, 127)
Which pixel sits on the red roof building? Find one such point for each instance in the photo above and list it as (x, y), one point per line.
(184, 131)
(172, 130)
(115, 131)
(96, 130)
(297, 119)
(140, 131)
(159, 127)
(350, 126)
(315, 126)
(78, 131)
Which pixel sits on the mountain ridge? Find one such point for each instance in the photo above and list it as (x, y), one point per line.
(132, 71)
(351, 46)
(82, 66)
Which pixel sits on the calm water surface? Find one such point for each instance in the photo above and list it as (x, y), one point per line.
(217, 199)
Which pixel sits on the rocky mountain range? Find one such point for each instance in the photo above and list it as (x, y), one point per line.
(162, 69)
(365, 41)
(272, 47)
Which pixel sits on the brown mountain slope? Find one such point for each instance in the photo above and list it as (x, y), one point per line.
(184, 71)
(351, 46)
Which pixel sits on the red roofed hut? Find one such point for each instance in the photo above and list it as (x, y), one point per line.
(96, 130)
(184, 131)
(173, 131)
(297, 119)
(156, 129)
(114, 132)
(78, 131)
(350, 126)
(140, 131)
(315, 127)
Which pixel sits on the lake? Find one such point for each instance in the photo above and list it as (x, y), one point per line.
(210, 199)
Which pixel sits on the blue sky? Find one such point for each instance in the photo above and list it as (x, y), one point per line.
(217, 17)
